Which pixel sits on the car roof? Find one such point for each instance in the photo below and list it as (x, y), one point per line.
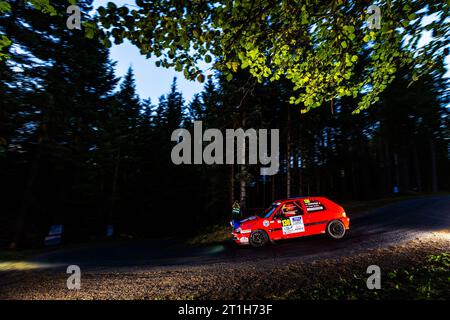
(297, 198)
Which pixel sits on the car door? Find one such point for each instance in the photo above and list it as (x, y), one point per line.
(292, 221)
(275, 227)
(315, 215)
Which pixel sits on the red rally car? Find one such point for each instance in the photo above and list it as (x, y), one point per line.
(292, 218)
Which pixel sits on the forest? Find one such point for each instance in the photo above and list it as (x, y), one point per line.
(79, 147)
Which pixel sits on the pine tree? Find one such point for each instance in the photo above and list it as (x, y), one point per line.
(196, 109)
(129, 105)
(61, 83)
(212, 104)
(171, 109)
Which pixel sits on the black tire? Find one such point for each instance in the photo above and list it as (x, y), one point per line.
(258, 238)
(336, 229)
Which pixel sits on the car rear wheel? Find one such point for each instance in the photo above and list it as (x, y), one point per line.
(258, 238)
(336, 229)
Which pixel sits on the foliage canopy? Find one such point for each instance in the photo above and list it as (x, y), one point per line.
(317, 45)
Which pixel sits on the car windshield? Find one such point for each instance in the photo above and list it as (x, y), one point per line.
(267, 213)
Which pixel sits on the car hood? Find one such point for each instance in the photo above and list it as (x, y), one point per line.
(248, 222)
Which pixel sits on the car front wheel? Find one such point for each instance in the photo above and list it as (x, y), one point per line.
(336, 229)
(258, 238)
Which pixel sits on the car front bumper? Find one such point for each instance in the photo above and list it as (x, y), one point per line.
(241, 238)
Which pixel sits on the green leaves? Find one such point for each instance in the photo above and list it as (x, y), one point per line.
(349, 31)
(44, 6)
(5, 6)
(4, 43)
(4, 40)
(314, 45)
(90, 29)
(111, 6)
(102, 11)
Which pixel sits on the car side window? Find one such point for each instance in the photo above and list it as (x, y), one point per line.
(312, 205)
(278, 214)
(289, 209)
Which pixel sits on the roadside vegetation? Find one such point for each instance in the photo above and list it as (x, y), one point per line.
(211, 235)
(428, 281)
(14, 255)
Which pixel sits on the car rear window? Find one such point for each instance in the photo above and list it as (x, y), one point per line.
(312, 205)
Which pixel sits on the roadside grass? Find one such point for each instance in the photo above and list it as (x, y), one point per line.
(427, 282)
(356, 207)
(19, 255)
(16, 255)
(212, 235)
(219, 233)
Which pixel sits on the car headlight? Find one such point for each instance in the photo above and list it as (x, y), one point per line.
(237, 230)
(344, 214)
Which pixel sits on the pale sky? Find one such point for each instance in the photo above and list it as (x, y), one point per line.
(151, 81)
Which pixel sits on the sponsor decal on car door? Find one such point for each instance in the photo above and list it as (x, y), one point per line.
(293, 222)
(293, 225)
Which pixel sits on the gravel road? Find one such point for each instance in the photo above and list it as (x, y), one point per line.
(400, 234)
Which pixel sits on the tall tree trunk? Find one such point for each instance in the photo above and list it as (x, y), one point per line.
(387, 161)
(354, 180)
(318, 178)
(405, 174)
(231, 185)
(295, 169)
(434, 185)
(396, 170)
(288, 154)
(417, 168)
(381, 172)
(25, 203)
(243, 188)
(274, 186)
(288, 173)
(114, 188)
(28, 190)
(300, 174)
